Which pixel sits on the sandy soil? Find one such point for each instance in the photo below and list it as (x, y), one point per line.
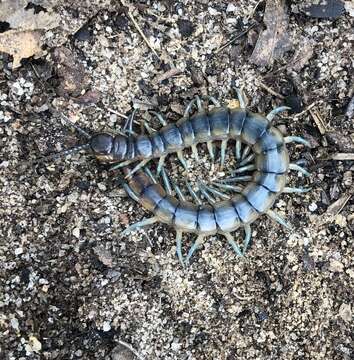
(72, 288)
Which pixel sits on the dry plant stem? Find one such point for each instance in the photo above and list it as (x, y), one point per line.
(129, 347)
(317, 118)
(271, 91)
(131, 17)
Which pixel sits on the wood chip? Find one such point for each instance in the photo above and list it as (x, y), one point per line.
(338, 205)
(274, 41)
(342, 156)
(168, 74)
(21, 45)
(302, 55)
(317, 118)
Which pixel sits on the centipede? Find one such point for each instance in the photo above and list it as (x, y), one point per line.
(260, 152)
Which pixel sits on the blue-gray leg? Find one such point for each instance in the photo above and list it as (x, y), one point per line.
(276, 111)
(247, 238)
(179, 247)
(276, 217)
(233, 244)
(194, 247)
(297, 139)
(139, 225)
(290, 190)
(299, 168)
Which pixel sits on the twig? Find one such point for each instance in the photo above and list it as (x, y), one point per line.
(316, 116)
(117, 113)
(342, 156)
(339, 204)
(129, 347)
(131, 17)
(234, 38)
(271, 91)
(308, 108)
(168, 74)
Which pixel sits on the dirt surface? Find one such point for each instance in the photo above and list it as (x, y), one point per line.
(72, 288)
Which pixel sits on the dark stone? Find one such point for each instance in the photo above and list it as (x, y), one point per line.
(295, 103)
(185, 27)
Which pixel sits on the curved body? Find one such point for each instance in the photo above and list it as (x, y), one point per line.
(258, 196)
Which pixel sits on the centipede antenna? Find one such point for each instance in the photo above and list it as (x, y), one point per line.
(160, 164)
(140, 165)
(237, 189)
(63, 153)
(182, 159)
(223, 152)
(241, 97)
(290, 190)
(139, 225)
(247, 159)
(245, 168)
(130, 192)
(237, 179)
(276, 217)
(178, 191)
(69, 122)
(247, 238)
(198, 242)
(233, 244)
(238, 149)
(122, 164)
(210, 147)
(195, 152)
(203, 190)
(179, 247)
(276, 111)
(301, 162)
(245, 152)
(162, 121)
(217, 193)
(297, 139)
(166, 181)
(150, 174)
(193, 193)
(299, 169)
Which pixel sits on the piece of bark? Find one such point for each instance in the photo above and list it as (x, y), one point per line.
(274, 41)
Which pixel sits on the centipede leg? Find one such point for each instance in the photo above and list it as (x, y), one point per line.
(247, 238)
(193, 193)
(209, 198)
(182, 159)
(238, 149)
(247, 159)
(130, 192)
(223, 152)
(139, 225)
(297, 139)
(244, 178)
(245, 168)
(227, 187)
(194, 247)
(210, 147)
(233, 244)
(276, 217)
(188, 108)
(137, 168)
(149, 129)
(178, 192)
(241, 98)
(179, 247)
(122, 164)
(166, 181)
(128, 126)
(150, 174)
(159, 116)
(276, 111)
(290, 190)
(245, 152)
(217, 193)
(212, 100)
(160, 164)
(195, 152)
(299, 168)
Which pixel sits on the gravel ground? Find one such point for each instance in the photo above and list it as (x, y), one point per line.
(72, 288)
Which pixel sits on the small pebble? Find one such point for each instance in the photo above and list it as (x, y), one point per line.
(313, 207)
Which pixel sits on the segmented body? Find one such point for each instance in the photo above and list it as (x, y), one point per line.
(258, 196)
